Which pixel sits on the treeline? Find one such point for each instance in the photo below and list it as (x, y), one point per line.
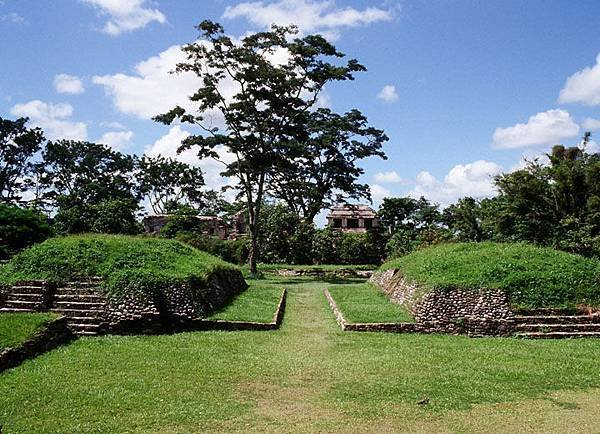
(554, 203)
(65, 186)
(59, 187)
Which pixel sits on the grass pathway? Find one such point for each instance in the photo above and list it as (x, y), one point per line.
(309, 376)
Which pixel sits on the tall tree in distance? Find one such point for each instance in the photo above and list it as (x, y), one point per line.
(18, 144)
(327, 171)
(266, 119)
(167, 183)
(92, 187)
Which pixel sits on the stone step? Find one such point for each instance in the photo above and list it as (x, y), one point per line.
(79, 291)
(15, 310)
(89, 298)
(83, 285)
(558, 319)
(22, 304)
(28, 289)
(84, 327)
(25, 297)
(80, 305)
(78, 312)
(545, 328)
(557, 335)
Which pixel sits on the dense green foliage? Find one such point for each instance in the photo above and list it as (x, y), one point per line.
(363, 303)
(309, 376)
(126, 263)
(16, 328)
(20, 228)
(18, 145)
(532, 276)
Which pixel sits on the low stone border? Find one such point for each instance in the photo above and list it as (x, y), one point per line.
(52, 335)
(399, 327)
(321, 272)
(219, 324)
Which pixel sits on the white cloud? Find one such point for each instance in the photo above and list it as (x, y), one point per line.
(126, 15)
(474, 179)
(113, 125)
(590, 124)
(167, 147)
(544, 128)
(388, 93)
(52, 118)
(154, 90)
(388, 177)
(583, 86)
(379, 192)
(65, 83)
(118, 140)
(13, 17)
(309, 15)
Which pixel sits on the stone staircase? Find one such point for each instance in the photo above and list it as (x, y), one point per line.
(557, 326)
(83, 306)
(26, 297)
(80, 302)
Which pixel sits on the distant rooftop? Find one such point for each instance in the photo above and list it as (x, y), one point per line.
(353, 211)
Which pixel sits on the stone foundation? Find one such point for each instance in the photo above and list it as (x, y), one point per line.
(482, 312)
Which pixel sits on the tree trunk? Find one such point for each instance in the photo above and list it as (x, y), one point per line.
(253, 255)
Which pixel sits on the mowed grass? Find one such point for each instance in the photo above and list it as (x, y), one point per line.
(363, 303)
(258, 303)
(16, 328)
(309, 376)
(532, 277)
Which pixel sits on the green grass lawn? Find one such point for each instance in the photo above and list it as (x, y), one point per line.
(258, 303)
(308, 376)
(533, 277)
(16, 328)
(363, 303)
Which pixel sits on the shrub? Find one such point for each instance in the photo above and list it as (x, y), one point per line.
(20, 228)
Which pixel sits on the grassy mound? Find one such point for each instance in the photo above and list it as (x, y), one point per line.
(533, 277)
(16, 328)
(124, 262)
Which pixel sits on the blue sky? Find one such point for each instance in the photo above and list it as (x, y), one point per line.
(464, 89)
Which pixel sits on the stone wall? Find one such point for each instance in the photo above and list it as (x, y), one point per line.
(478, 312)
(174, 307)
(323, 273)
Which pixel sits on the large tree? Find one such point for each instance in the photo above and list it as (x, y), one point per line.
(91, 186)
(18, 144)
(168, 183)
(274, 81)
(327, 172)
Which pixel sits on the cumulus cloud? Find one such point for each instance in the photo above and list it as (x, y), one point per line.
(583, 86)
(153, 90)
(591, 124)
(544, 128)
(65, 83)
(388, 94)
(54, 119)
(379, 192)
(126, 15)
(311, 16)
(118, 140)
(388, 177)
(167, 147)
(473, 179)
